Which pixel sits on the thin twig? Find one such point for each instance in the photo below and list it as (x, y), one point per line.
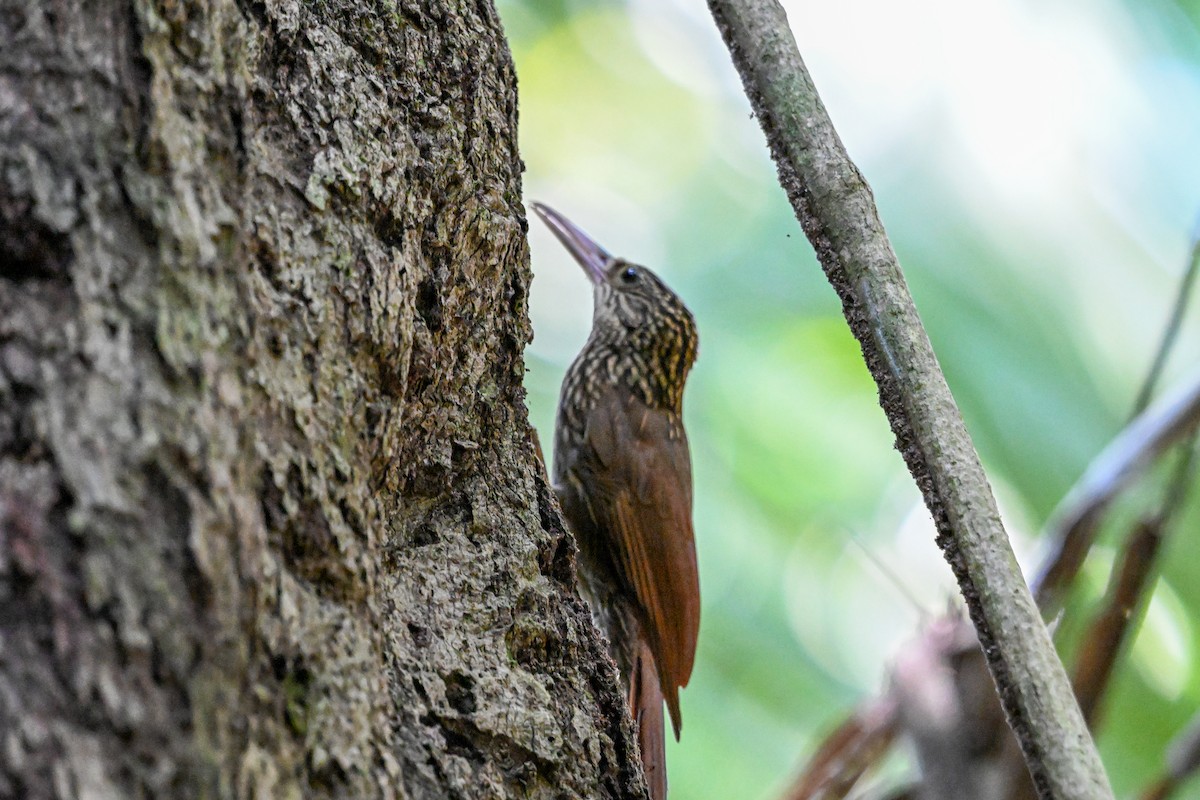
(1131, 581)
(1073, 525)
(1170, 333)
(838, 214)
(1073, 529)
(1104, 639)
(1183, 480)
(847, 753)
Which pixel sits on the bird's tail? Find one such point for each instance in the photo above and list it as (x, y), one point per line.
(646, 705)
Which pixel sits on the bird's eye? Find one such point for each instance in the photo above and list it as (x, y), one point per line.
(629, 274)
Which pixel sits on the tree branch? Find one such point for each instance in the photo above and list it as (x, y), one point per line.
(837, 211)
(1073, 525)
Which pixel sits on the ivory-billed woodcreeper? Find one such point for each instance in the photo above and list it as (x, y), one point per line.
(623, 475)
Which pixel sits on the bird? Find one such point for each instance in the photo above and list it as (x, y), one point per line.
(623, 477)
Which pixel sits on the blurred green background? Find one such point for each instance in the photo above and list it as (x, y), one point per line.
(1038, 168)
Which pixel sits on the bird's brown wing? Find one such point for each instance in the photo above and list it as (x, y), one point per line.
(643, 462)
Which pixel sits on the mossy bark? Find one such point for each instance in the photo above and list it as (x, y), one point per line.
(272, 523)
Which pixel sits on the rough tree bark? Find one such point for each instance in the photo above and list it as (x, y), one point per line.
(271, 521)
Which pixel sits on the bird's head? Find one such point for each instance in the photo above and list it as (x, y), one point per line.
(632, 307)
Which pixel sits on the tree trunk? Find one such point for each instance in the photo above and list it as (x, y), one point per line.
(272, 521)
